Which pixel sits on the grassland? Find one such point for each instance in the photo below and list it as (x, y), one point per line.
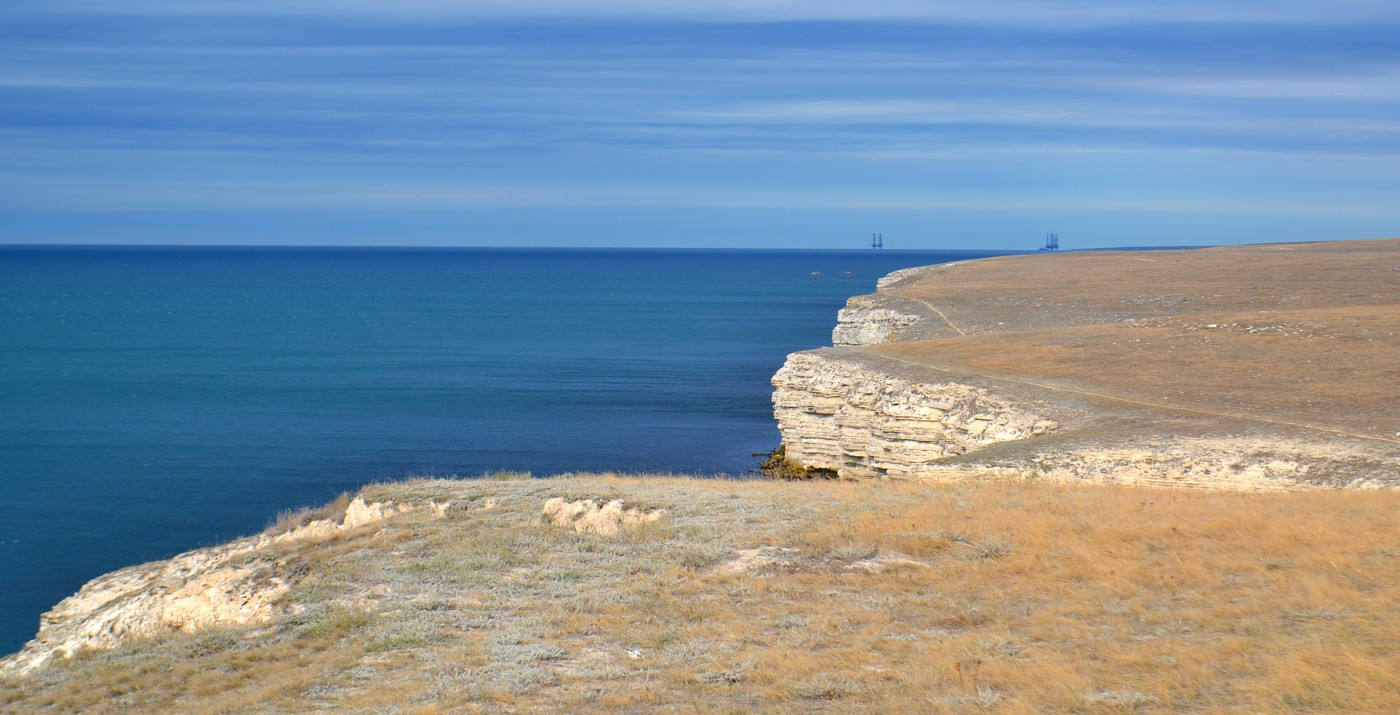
(758, 596)
(1301, 335)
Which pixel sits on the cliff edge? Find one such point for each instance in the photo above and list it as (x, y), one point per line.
(241, 583)
(1267, 367)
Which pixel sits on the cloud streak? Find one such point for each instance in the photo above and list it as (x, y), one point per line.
(1037, 13)
(911, 107)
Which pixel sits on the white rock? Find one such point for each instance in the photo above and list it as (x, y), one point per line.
(589, 517)
(837, 414)
(238, 583)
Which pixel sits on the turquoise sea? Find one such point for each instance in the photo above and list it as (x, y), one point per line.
(153, 400)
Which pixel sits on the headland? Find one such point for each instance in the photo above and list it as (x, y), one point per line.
(1013, 558)
(1269, 367)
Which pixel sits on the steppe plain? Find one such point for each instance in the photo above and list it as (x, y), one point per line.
(1304, 335)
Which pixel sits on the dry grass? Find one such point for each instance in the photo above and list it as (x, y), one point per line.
(1301, 333)
(1010, 598)
(295, 519)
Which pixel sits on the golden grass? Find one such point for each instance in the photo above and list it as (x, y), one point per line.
(1024, 598)
(1300, 333)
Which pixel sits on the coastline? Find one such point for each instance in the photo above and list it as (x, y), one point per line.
(873, 410)
(224, 386)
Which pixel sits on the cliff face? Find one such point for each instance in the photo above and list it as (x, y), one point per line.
(888, 317)
(232, 584)
(839, 415)
(867, 322)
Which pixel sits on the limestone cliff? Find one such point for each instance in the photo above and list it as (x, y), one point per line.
(887, 317)
(867, 322)
(839, 415)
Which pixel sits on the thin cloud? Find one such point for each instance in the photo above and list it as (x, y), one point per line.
(94, 194)
(994, 12)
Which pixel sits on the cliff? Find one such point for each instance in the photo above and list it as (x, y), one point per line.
(1255, 368)
(842, 415)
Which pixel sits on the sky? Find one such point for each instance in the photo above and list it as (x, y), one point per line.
(722, 123)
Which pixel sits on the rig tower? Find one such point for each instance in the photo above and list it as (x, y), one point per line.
(877, 240)
(1052, 242)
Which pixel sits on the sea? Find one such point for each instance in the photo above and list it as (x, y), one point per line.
(158, 399)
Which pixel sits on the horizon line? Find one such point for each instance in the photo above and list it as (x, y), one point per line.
(429, 247)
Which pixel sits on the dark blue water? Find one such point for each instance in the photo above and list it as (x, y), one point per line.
(155, 400)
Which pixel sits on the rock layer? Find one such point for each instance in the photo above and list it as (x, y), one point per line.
(839, 415)
(867, 322)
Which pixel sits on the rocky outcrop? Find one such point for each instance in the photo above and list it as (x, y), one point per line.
(587, 516)
(886, 316)
(358, 513)
(1217, 463)
(865, 321)
(1234, 463)
(232, 584)
(837, 414)
(239, 583)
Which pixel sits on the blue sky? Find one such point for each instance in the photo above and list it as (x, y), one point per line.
(719, 123)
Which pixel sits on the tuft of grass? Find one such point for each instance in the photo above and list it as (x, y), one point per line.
(339, 622)
(732, 675)
(508, 476)
(215, 640)
(989, 548)
(293, 519)
(854, 551)
(826, 687)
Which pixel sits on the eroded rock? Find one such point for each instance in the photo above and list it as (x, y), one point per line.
(239, 583)
(865, 321)
(590, 517)
(839, 415)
